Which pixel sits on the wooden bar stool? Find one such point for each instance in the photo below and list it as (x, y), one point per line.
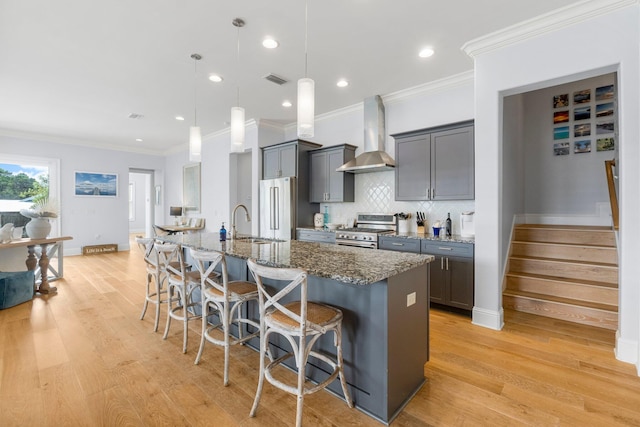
(155, 279)
(226, 297)
(302, 323)
(180, 285)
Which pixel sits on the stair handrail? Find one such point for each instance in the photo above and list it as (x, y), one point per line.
(613, 196)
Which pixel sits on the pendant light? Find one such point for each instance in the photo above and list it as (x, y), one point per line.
(195, 137)
(306, 92)
(237, 112)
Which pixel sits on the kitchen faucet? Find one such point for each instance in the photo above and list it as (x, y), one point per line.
(233, 219)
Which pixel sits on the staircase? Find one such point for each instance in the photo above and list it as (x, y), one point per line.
(564, 272)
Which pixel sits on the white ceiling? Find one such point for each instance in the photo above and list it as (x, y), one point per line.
(75, 69)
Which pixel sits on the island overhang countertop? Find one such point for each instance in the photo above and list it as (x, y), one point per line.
(345, 264)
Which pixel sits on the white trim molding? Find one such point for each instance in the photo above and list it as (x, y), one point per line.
(545, 23)
(488, 318)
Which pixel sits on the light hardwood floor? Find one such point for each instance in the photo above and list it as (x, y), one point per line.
(82, 357)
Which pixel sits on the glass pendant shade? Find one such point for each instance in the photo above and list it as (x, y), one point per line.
(195, 144)
(237, 129)
(306, 107)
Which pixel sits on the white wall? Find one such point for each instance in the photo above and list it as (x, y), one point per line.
(597, 37)
(571, 185)
(140, 184)
(89, 220)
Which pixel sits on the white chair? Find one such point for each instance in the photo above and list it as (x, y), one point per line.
(180, 285)
(155, 279)
(226, 297)
(302, 323)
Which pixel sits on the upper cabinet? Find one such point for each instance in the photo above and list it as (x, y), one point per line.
(284, 159)
(327, 185)
(436, 163)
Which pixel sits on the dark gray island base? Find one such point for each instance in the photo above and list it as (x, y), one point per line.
(385, 334)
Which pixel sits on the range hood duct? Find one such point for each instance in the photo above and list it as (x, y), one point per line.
(374, 158)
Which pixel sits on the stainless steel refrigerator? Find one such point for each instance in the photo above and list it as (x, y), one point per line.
(278, 208)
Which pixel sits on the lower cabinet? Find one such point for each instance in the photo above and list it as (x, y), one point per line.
(451, 274)
(317, 236)
(392, 243)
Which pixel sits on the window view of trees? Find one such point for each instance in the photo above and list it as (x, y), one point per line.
(21, 186)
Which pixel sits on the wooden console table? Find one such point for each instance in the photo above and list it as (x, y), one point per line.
(33, 262)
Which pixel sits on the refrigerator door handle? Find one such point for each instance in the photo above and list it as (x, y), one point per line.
(276, 208)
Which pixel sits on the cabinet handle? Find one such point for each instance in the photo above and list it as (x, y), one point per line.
(397, 244)
(447, 264)
(428, 193)
(433, 193)
(441, 263)
(445, 249)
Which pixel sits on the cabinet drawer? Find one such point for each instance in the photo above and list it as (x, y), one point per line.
(399, 244)
(447, 248)
(316, 236)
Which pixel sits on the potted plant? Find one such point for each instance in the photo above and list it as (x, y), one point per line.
(40, 212)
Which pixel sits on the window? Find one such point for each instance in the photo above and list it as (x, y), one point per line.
(22, 178)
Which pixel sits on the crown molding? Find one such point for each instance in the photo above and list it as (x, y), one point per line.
(543, 24)
(446, 83)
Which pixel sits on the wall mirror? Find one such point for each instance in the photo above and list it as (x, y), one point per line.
(191, 188)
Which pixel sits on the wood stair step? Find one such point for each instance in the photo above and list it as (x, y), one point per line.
(599, 236)
(599, 315)
(565, 251)
(581, 290)
(600, 272)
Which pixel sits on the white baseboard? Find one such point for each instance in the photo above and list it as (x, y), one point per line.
(627, 351)
(488, 318)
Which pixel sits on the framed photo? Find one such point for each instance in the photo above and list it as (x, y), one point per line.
(582, 113)
(604, 93)
(561, 133)
(560, 117)
(561, 149)
(582, 146)
(582, 130)
(603, 110)
(605, 144)
(560, 101)
(95, 184)
(582, 96)
(604, 127)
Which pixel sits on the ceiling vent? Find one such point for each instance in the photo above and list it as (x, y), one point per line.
(275, 79)
(135, 116)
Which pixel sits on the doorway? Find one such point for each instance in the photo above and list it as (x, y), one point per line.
(141, 201)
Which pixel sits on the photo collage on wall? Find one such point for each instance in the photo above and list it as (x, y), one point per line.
(584, 117)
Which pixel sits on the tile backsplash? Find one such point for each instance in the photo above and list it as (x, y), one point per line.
(375, 192)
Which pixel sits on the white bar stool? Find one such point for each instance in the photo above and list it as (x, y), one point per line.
(302, 323)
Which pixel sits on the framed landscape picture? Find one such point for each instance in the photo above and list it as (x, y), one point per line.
(95, 184)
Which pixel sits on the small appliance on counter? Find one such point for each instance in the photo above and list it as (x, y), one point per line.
(467, 228)
(318, 220)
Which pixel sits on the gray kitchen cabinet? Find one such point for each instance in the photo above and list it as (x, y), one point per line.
(436, 163)
(451, 278)
(394, 243)
(327, 185)
(286, 159)
(317, 236)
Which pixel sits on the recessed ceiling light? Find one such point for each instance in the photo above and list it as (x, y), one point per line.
(179, 118)
(270, 43)
(286, 104)
(215, 78)
(426, 52)
(138, 139)
(342, 83)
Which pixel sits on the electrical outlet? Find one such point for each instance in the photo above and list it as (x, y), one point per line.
(411, 299)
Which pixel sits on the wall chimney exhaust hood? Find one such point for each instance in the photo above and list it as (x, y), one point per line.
(374, 158)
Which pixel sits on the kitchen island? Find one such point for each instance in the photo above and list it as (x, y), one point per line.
(384, 298)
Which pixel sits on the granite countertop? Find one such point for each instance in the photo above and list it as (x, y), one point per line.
(356, 266)
(455, 238)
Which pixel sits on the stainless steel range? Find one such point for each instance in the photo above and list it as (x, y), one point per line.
(369, 227)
